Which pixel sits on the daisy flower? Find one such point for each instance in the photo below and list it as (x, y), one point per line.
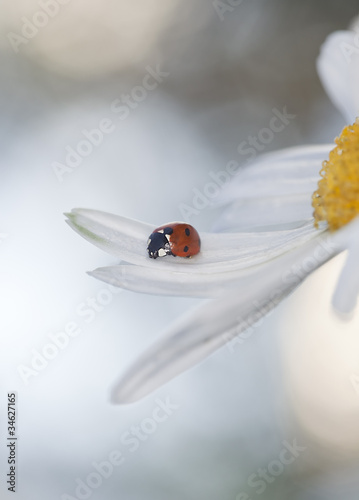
(286, 215)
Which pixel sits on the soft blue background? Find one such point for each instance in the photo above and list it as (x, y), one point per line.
(225, 78)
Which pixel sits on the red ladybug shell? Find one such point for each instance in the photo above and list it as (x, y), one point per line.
(183, 240)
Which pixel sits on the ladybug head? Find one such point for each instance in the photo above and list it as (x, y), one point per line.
(158, 245)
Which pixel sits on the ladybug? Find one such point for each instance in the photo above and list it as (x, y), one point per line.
(175, 238)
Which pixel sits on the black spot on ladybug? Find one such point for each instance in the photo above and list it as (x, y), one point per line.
(168, 230)
(185, 249)
(188, 232)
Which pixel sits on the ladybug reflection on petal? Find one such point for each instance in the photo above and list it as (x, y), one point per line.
(176, 238)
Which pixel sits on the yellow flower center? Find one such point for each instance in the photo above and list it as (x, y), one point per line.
(337, 198)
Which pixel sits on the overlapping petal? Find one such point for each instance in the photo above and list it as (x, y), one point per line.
(211, 279)
(338, 69)
(223, 260)
(274, 191)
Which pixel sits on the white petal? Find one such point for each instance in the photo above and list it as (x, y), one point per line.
(163, 282)
(288, 171)
(127, 240)
(266, 214)
(274, 191)
(119, 236)
(213, 279)
(213, 324)
(347, 290)
(338, 69)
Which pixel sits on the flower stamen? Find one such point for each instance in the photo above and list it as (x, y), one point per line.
(337, 198)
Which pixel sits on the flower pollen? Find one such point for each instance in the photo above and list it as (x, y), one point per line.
(337, 198)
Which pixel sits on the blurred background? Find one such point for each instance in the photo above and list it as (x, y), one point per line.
(166, 92)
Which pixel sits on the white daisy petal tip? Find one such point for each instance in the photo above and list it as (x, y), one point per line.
(119, 396)
(127, 391)
(99, 275)
(82, 231)
(119, 236)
